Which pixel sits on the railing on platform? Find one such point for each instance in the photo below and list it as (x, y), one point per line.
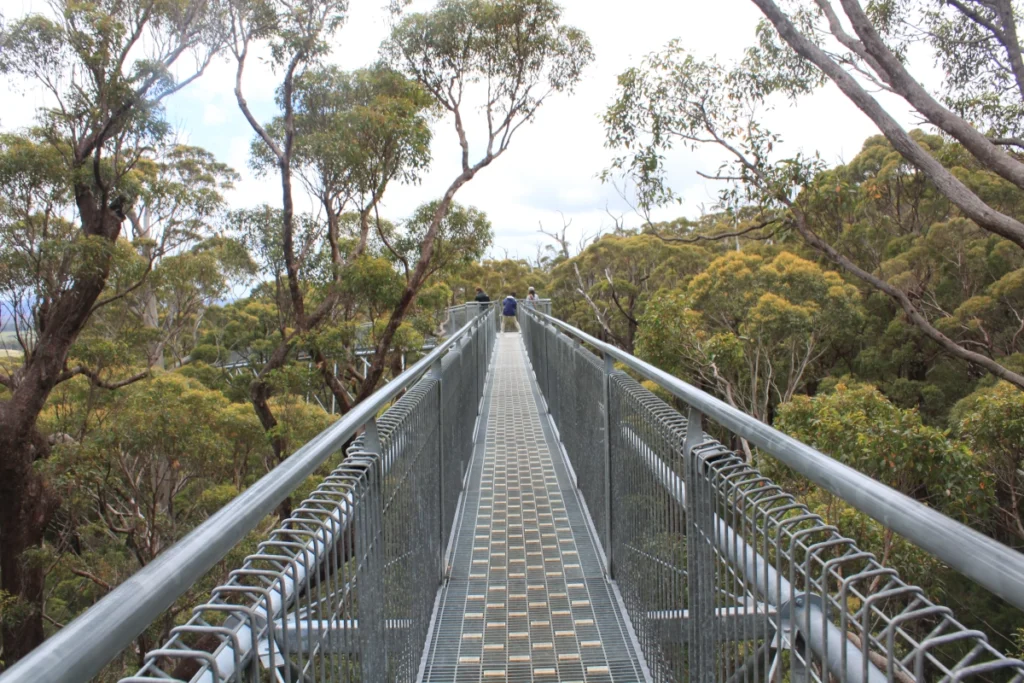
(344, 588)
(725, 576)
(458, 315)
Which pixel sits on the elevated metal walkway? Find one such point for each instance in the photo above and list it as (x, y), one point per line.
(526, 598)
(522, 508)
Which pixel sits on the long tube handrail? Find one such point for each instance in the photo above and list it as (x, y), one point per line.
(97, 636)
(843, 657)
(995, 566)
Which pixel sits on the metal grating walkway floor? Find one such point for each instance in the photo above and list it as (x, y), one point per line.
(526, 598)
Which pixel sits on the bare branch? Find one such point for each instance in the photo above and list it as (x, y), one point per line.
(615, 298)
(969, 202)
(1008, 142)
(95, 379)
(724, 235)
(597, 311)
(92, 577)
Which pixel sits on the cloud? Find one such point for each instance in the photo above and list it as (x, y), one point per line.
(553, 162)
(214, 115)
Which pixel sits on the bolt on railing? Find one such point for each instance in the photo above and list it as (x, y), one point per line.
(344, 588)
(725, 576)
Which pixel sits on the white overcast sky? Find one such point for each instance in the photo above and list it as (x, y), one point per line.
(552, 164)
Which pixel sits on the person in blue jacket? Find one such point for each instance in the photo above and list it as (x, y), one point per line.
(508, 312)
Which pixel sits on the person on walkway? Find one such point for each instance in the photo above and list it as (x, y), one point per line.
(481, 299)
(531, 298)
(508, 312)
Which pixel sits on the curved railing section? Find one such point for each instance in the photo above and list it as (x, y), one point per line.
(724, 575)
(344, 588)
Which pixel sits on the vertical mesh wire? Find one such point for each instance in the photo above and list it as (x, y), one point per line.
(649, 522)
(410, 439)
(344, 589)
(725, 576)
(291, 611)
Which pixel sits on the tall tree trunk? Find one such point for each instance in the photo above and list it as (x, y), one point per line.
(27, 503)
(416, 280)
(150, 307)
(26, 506)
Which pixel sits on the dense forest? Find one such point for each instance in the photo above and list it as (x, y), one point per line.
(160, 349)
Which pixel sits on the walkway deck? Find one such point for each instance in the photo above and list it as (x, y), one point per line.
(526, 598)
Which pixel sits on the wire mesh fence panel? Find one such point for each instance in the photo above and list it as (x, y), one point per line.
(589, 437)
(649, 522)
(459, 381)
(410, 441)
(344, 588)
(724, 575)
(301, 607)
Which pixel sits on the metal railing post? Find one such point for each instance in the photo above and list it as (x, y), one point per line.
(482, 333)
(435, 372)
(370, 578)
(549, 333)
(480, 370)
(699, 568)
(609, 366)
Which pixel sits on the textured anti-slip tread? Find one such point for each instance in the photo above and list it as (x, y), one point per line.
(527, 599)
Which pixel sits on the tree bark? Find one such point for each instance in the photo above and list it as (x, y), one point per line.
(415, 282)
(27, 504)
(259, 394)
(947, 183)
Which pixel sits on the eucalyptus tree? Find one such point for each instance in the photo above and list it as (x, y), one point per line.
(514, 55)
(463, 236)
(858, 426)
(354, 134)
(105, 67)
(611, 281)
(754, 327)
(989, 421)
(676, 99)
(298, 36)
(181, 194)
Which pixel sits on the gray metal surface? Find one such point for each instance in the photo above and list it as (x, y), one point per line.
(724, 575)
(527, 599)
(320, 534)
(647, 536)
(993, 565)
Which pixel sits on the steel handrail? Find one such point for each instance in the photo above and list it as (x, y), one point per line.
(995, 566)
(87, 644)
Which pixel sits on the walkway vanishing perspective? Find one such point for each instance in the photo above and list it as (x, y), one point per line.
(526, 598)
(539, 507)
